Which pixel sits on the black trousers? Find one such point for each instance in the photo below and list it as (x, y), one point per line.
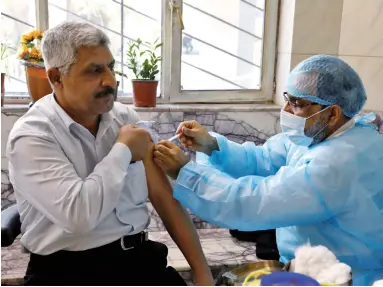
(146, 264)
(266, 242)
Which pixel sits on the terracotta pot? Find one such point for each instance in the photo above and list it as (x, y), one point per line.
(38, 84)
(2, 88)
(144, 93)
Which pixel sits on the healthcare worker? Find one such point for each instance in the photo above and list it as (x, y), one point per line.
(320, 181)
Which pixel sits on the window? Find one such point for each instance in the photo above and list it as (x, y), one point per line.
(120, 20)
(226, 51)
(17, 17)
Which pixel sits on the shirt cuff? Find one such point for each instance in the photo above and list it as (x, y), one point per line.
(121, 155)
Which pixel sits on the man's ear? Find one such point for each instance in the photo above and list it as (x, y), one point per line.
(54, 77)
(335, 116)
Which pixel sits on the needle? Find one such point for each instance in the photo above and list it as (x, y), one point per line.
(174, 137)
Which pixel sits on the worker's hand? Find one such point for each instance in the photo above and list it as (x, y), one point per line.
(136, 139)
(170, 158)
(195, 137)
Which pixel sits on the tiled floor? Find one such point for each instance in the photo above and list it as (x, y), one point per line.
(221, 250)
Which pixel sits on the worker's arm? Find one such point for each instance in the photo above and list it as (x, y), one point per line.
(239, 160)
(176, 220)
(232, 158)
(300, 195)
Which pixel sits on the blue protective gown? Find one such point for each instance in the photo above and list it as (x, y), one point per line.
(330, 194)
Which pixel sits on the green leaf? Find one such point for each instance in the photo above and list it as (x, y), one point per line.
(149, 52)
(157, 46)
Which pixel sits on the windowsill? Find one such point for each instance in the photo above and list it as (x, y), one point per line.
(23, 108)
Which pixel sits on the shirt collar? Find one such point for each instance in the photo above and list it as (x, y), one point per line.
(106, 119)
(67, 120)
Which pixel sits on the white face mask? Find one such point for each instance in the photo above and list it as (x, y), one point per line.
(294, 127)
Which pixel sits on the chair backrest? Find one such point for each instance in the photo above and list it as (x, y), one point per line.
(10, 225)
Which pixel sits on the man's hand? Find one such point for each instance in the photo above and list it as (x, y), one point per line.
(170, 158)
(204, 278)
(195, 137)
(136, 139)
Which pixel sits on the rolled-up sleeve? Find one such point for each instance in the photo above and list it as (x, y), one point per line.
(239, 160)
(48, 181)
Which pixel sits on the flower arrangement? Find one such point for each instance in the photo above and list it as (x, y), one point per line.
(29, 49)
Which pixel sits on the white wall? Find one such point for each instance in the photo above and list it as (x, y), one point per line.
(350, 29)
(361, 45)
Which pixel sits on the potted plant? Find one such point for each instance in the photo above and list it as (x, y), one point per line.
(30, 56)
(144, 64)
(4, 54)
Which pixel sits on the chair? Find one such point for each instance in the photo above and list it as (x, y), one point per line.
(10, 225)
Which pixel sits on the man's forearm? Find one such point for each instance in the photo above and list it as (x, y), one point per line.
(177, 221)
(181, 228)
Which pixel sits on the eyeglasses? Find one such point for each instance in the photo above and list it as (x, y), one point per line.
(297, 103)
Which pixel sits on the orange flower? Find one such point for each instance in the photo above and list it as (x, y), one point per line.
(37, 34)
(29, 37)
(23, 51)
(28, 51)
(34, 51)
(25, 39)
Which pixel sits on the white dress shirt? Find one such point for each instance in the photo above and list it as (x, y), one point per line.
(74, 191)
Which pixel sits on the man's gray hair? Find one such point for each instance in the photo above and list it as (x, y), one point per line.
(59, 44)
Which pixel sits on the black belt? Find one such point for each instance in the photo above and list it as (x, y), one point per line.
(121, 245)
(129, 242)
(125, 243)
(69, 261)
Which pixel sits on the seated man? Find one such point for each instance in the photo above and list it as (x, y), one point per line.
(318, 182)
(76, 167)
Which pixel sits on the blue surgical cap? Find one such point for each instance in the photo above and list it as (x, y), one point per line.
(327, 80)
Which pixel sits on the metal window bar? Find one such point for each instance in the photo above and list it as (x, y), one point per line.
(101, 26)
(252, 5)
(221, 50)
(214, 75)
(259, 94)
(134, 10)
(17, 20)
(195, 67)
(222, 21)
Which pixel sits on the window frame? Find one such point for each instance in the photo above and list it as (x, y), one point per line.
(266, 91)
(170, 75)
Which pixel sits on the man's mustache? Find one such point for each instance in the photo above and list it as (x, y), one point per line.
(106, 92)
